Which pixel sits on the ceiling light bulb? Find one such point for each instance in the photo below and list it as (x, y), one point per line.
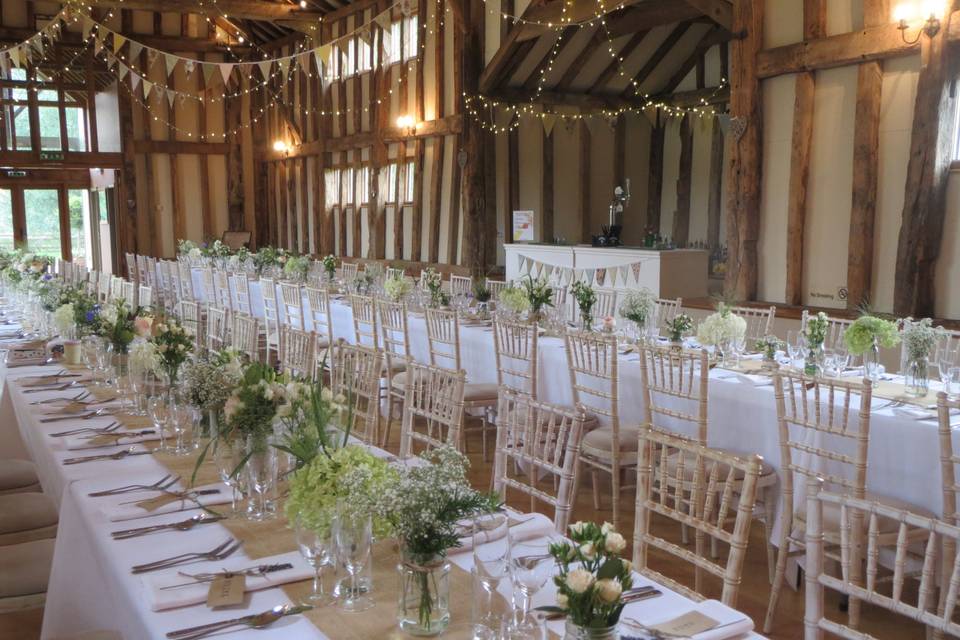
(903, 12)
(303, 4)
(279, 146)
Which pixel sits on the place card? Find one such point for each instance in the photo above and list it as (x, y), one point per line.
(152, 504)
(45, 381)
(71, 407)
(227, 590)
(687, 625)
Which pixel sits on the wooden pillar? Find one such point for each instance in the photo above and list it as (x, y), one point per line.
(547, 187)
(866, 163)
(126, 218)
(474, 244)
(931, 148)
(513, 181)
(585, 175)
(234, 160)
(681, 218)
(715, 197)
(655, 177)
(743, 191)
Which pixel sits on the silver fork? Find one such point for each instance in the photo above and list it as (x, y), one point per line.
(180, 525)
(83, 416)
(110, 428)
(59, 387)
(219, 552)
(165, 482)
(119, 455)
(83, 395)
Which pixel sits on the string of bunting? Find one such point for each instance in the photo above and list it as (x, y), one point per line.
(627, 274)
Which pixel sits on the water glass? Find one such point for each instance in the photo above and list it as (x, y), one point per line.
(317, 550)
(947, 358)
(532, 565)
(353, 540)
(261, 475)
(491, 565)
(159, 412)
(89, 348)
(952, 383)
(796, 345)
(181, 418)
(228, 456)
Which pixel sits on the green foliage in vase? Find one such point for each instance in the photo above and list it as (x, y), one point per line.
(860, 336)
(539, 293)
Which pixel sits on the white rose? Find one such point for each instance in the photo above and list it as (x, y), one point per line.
(615, 543)
(588, 551)
(326, 394)
(609, 590)
(577, 527)
(562, 600)
(627, 565)
(579, 580)
(606, 528)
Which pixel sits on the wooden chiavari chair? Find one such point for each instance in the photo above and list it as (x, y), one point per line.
(461, 285)
(443, 338)
(170, 284)
(364, 310)
(395, 337)
(151, 273)
(606, 305)
(495, 287)
(355, 373)
(432, 408)
(819, 424)
(393, 273)
(949, 466)
(705, 504)
(189, 315)
(245, 337)
(185, 278)
(594, 377)
(103, 287)
(241, 292)
(348, 272)
(145, 296)
(667, 310)
(271, 319)
(318, 308)
(221, 290)
(515, 345)
(759, 322)
(836, 327)
(131, 261)
(142, 270)
(291, 298)
(116, 288)
(831, 516)
(297, 353)
(129, 293)
(544, 441)
(207, 293)
(91, 284)
(217, 324)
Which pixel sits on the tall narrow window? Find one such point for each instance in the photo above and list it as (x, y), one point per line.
(391, 183)
(363, 185)
(6, 220)
(332, 182)
(408, 181)
(413, 34)
(346, 195)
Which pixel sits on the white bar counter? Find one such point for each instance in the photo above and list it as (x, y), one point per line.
(669, 273)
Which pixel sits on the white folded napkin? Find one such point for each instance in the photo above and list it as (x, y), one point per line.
(160, 599)
(88, 441)
(752, 356)
(117, 511)
(527, 526)
(731, 623)
(915, 413)
(755, 380)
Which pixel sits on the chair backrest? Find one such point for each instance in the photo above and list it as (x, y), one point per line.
(151, 277)
(131, 266)
(291, 297)
(443, 338)
(592, 361)
(705, 489)
(116, 288)
(667, 310)
(142, 275)
(543, 440)
(949, 461)
(434, 397)
(605, 305)
(355, 373)
(103, 287)
(394, 332)
(515, 346)
(217, 323)
(675, 391)
(348, 271)
(185, 278)
(145, 295)
(92, 284)
(297, 352)
(318, 307)
(939, 571)
(495, 287)
(221, 290)
(835, 327)
(245, 337)
(818, 429)
(241, 292)
(364, 310)
(189, 314)
(129, 293)
(393, 273)
(271, 314)
(759, 322)
(207, 293)
(461, 285)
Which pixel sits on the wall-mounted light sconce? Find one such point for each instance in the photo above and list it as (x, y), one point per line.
(907, 12)
(407, 125)
(281, 147)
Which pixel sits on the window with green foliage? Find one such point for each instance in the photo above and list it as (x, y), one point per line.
(78, 202)
(6, 220)
(52, 109)
(42, 213)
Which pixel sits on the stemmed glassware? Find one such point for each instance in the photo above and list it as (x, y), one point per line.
(491, 562)
(316, 548)
(159, 411)
(532, 565)
(138, 387)
(227, 456)
(796, 345)
(948, 362)
(261, 470)
(353, 538)
(181, 417)
(89, 348)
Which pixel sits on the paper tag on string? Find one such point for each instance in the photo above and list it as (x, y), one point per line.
(152, 504)
(687, 625)
(105, 440)
(71, 407)
(226, 590)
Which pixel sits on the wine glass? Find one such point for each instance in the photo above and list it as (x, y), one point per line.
(491, 562)
(89, 347)
(316, 549)
(532, 565)
(227, 456)
(352, 535)
(159, 412)
(795, 345)
(952, 384)
(181, 416)
(947, 358)
(261, 472)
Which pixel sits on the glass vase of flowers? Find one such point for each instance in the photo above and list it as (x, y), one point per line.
(482, 295)
(815, 333)
(423, 508)
(919, 339)
(865, 337)
(513, 301)
(585, 297)
(396, 288)
(173, 347)
(296, 268)
(721, 330)
(769, 345)
(591, 581)
(432, 282)
(329, 264)
(539, 295)
(637, 307)
(679, 327)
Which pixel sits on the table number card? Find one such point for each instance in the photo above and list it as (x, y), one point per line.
(227, 590)
(687, 625)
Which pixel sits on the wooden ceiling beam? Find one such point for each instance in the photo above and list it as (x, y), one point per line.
(873, 43)
(616, 62)
(279, 13)
(711, 38)
(506, 56)
(595, 102)
(164, 43)
(553, 12)
(720, 11)
(573, 70)
(665, 47)
(540, 68)
(650, 14)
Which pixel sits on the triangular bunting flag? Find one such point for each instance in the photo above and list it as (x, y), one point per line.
(577, 273)
(170, 63)
(613, 277)
(171, 96)
(520, 261)
(304, 61)
(549, 119)
(636, 272)
(87, 26)
(366, 35)
(118, 41)
(147, 87)
(384, 21)
(14, 54)
(97, 44)
(284, 64)
(225, 70)
(122, 71)
(264, 66)
(591, 274)
(624, 270)
(5, 65)
(189, 66)
(549, 270)
(319, 60)
(208, 70)
(134, 81)
(538, 269)
(37, 43)
(134, 50)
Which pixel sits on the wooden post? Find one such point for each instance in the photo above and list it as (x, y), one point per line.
(655, 177)
(547, 187)
(924, 206)
(127, 215)
(866, 162)
(513, 182)
(743, 191)
(585, 175)
(681, 218)
(474, 244)
(715, 198)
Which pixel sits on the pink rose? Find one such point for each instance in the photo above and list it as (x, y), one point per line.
(143, 325)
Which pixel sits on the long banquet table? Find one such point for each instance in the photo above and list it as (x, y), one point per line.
(91, 587)
(742, 409)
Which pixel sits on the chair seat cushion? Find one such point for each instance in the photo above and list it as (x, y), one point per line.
(25, 568)
(25, 517)
(598, 443)
(479, 392)
(17, 476)
(831, 516)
